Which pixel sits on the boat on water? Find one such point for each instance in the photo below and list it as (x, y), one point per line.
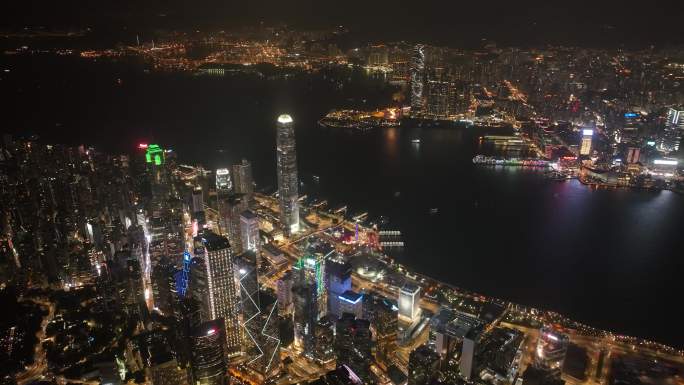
(415, 141)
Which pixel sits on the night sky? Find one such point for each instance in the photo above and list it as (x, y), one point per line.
(456, 23)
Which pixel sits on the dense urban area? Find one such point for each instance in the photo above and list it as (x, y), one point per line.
(139, 268)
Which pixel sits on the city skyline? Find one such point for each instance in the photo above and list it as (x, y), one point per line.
(278, 204)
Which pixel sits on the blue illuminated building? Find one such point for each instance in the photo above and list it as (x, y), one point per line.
(351, 302)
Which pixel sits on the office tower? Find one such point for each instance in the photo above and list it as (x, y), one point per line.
(162, 279)
(221, 293)
(223, 180)
(378, 55)
(311, 270)
(284, 292)
(325, 338)
(208, 359)
(198, 287)
(409, 303)
(351, 302)
(423, 366)
(339, 281)
(353, 345)
(551, 349)
(467, 364)
(260, 334)
(671, 136)
(230, 208)
(288, 184)
(587, 135)
(197, 200)
(242, 178)
(382, 314)
(438, 99)
(305, 316)
(417, 80)
(633, 155)
(165, 370)
(249, 232)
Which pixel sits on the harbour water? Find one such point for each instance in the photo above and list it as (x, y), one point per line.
(610, 258)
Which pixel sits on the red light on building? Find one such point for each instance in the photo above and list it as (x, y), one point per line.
(142, 146)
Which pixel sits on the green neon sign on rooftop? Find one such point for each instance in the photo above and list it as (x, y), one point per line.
(154, 154)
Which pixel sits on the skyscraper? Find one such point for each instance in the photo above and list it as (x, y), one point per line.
(242, 178)
(339, 281)
(551, 349)
(288, 188)
(260, 334)
(305, 316)
(417, 79)
(409, 303)
(223, 180)
(671, 136)
(249, 232)
(423, 365)
(353, 345)
(221, 292)
(587, 135)
(438, 98)
(208, 360)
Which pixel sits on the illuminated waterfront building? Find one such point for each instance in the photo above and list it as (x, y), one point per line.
(220, 285)
(208, 359)
(223, 180)
(551, 348)
(438, 99)
(288, 184)
(242, 178)
(587, 136)
(409, 303)
(670, 137)
(417, 80)
(249, 231)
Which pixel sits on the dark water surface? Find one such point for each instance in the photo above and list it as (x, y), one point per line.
(611, 258)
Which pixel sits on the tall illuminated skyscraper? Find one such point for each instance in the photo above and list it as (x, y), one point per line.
(409, 303)
(242, 178)
(587, 135)
(288, 188)
(208, 360)
(671, 136)
(220, 280)
(260, 334)
(223, 180)
(551, 349)
(249, 231)
(417, 80)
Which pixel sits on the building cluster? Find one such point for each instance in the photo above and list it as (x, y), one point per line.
(207, 282)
